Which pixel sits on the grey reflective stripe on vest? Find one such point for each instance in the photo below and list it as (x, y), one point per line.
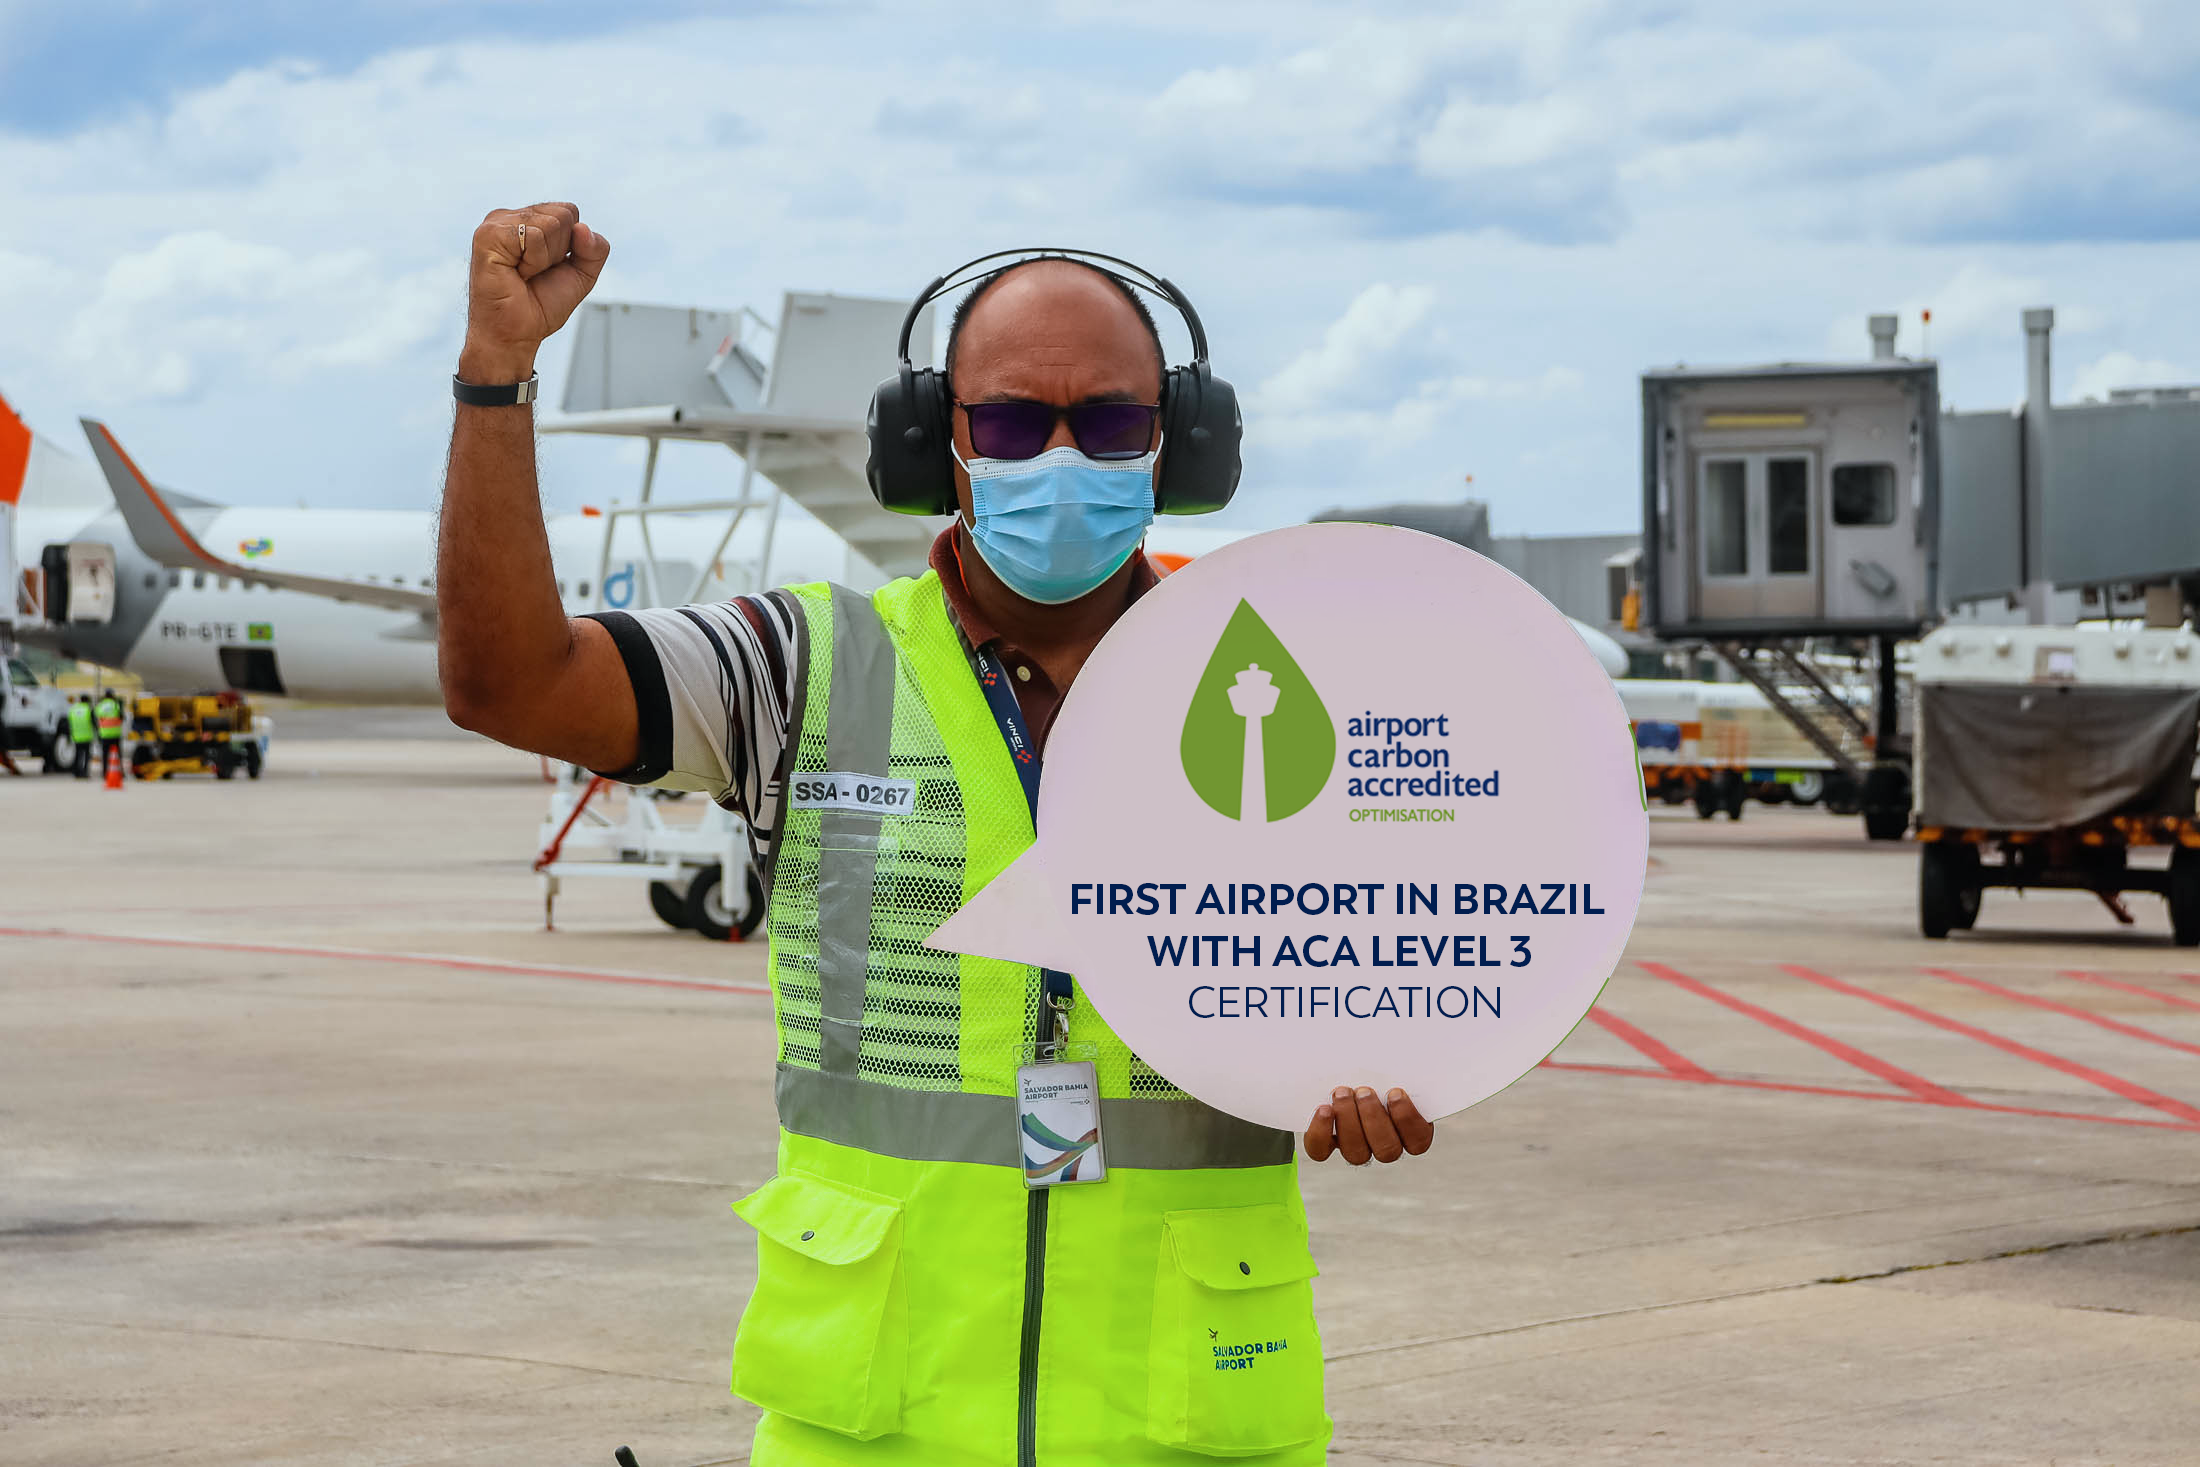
(953, 1125)
(859, 729)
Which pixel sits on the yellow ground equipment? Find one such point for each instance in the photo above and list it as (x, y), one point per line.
(211, 733)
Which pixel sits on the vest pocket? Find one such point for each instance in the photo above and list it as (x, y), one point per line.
(825, 1338)
(1235, 1365)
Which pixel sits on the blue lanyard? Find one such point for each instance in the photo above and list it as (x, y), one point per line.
(1024, 754)
(1022, 751)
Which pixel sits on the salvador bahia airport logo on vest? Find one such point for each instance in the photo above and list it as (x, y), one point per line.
(1258, 744)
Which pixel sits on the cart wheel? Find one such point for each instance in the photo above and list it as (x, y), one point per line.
(1737, 795)
(2184, 896)
(1939, 907)
(711, 917)
(224, 763)
(669, 905)
(142, 758)
(252, 761)
(1707, 799)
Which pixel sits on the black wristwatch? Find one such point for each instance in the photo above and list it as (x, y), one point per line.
(509, 394)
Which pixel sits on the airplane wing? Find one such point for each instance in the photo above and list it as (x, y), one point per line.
(161, 533)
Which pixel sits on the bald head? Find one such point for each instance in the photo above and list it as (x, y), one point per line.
(1034, 296)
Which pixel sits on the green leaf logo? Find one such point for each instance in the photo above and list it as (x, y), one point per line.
(1258, 744)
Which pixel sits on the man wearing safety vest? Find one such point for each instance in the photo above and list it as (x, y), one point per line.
(916, 1300)
(107, 713)
(80, 733)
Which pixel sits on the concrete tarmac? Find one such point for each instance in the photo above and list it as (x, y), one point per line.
(315, 1148)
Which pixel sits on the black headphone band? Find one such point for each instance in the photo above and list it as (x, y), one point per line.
(1123, 272)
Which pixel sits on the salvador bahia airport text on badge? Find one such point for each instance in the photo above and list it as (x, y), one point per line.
(1338, 804)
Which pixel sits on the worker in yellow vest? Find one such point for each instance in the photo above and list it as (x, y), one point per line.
(81, 734)
(107, 714)
(922, 1295)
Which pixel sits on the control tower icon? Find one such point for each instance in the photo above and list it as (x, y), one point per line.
(1257, 744)
(1253, 698)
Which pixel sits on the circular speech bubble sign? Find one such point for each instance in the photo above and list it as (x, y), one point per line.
(1332, 805)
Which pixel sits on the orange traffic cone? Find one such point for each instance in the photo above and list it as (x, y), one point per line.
(114, 774)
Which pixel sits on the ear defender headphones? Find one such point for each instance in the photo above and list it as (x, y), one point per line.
(911, 426)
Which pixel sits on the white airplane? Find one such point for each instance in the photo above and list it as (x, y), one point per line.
(335, 605)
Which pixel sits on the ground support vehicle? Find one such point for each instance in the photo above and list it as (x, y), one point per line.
(1719, 745)
(2060, 752)
(699, 872)
(34, 718)
(205, 733)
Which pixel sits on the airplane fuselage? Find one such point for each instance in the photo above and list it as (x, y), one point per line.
(173, 627)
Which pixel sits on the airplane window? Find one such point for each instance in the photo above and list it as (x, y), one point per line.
(584, 591)
(561, 590)
(198, 580)
(175, 579)
(397, 580)
(221, 583)
(152, 579)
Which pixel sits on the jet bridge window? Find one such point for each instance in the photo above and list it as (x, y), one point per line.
(1787, 515)
(1864, 494)
(1726, 517)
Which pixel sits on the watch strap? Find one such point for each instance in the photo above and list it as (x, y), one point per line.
(505, 394)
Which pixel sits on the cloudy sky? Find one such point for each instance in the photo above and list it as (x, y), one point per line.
(1428, 242)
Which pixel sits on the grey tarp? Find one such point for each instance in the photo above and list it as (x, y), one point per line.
(1998, 757)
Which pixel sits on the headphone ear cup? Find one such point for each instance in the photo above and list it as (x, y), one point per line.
(909, 467)
(1201, 434)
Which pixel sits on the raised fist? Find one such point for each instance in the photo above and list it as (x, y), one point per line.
(531, 268)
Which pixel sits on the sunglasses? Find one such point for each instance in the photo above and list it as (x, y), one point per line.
(1103, 430)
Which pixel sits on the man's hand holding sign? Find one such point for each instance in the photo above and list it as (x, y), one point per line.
(1333, 803)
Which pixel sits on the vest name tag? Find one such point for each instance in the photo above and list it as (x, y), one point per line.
(866, 794)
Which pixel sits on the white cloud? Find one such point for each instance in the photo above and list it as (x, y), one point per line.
(1553, 197)
(2097, 378)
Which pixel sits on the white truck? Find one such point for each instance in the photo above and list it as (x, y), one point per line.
(35, 718)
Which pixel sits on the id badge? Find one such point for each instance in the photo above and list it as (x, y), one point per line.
(1058, 1116)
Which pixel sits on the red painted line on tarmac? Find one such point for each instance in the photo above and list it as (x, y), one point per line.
(1661, 1055)
(353, 954)
(2072, 1068)
(1917, 1085)
(2114, 1026)
(2139, 988)
(1786, 1088)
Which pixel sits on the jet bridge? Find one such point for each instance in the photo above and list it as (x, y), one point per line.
(788, 398)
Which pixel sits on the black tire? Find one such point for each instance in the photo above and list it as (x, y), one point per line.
(1938, 883)
(1673, 792)
(669, 903)
(252, 761)
(1734, 797)
(1886, 802)
(1809, 789)
(2184, 896)
(142, 758)
(1707, 799)
(60, 755)
(222, 761)
(710, 917)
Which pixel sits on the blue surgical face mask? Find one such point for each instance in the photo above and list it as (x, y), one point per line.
(1054, 527)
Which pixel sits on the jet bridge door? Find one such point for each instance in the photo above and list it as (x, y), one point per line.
(1756, 521)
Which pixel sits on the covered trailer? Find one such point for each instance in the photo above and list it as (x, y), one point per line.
(2059, 752)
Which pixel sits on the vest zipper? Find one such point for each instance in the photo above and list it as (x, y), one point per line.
(1035, 1290)
(1027, 1361)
